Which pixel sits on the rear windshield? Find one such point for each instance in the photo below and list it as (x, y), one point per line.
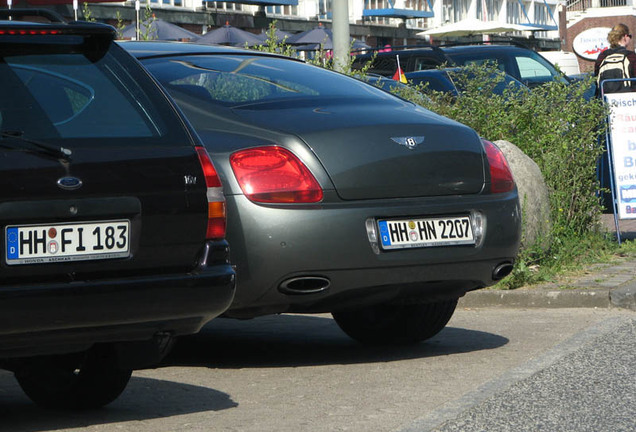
(234, 80)
(59, 92)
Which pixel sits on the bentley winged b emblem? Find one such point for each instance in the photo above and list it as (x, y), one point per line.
(409, 142)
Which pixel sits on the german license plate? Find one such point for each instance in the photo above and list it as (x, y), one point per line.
(425, 232)
(32, 244)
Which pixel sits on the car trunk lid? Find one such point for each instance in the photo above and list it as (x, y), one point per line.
(390, 151)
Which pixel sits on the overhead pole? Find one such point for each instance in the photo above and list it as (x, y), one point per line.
(341, 38)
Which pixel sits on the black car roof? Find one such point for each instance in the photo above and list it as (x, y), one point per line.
(149, 49)
(399, 50)
(474, 48)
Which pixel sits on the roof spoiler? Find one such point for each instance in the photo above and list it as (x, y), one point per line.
(14, 14)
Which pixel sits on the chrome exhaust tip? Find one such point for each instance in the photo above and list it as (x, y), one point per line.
(501, 271)
(304, 285)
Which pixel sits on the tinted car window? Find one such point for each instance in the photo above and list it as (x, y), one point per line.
(479, 60)
(239, 79)
(531, 69)
(524, 64)
(455, 81)
(66, 95)
(385, 63)
(424, 63)
(382, 65)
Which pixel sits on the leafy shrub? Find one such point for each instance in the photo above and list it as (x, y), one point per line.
(555, 126)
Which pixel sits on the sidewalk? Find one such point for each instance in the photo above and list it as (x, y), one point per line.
(600, 285)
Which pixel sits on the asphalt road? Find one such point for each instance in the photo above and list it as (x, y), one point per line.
(491, 369)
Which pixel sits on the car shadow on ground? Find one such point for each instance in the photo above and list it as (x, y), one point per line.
(271, 341)
(307, 340)
(143, 399)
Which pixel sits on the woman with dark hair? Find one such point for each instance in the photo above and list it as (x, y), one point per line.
(616, 62)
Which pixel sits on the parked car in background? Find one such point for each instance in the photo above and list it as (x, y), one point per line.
(411, 59)
(519, 62)
(524, 64)
(453, 81)
(113, 215)
(342, 197)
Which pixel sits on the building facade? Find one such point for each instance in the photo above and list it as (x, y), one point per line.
(377, 22)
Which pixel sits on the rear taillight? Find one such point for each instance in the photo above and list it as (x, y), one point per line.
(28, 32)
(216, 199)
(501, 179)
(274, 175)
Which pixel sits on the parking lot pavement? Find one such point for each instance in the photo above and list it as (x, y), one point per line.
(292, 373)
(602, 285)
(584, 384)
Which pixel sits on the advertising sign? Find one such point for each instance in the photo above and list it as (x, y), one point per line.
(622, 135)
(590, 43)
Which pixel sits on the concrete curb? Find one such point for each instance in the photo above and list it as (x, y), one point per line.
(537, 298)
(622, 297)
(602, 285)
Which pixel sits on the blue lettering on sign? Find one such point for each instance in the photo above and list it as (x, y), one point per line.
(385, 237)
(623, 103)
(628, 193)
(12, 243)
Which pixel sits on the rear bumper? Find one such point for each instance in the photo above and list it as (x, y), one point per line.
(58, 318)
(329, 242)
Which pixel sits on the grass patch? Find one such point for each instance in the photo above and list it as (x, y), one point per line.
(574, 257)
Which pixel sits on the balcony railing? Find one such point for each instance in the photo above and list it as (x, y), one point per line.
(581, 5)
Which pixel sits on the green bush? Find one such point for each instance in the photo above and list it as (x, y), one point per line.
(555, 126)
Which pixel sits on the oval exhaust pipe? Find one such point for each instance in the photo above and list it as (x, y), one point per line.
(501, 271)
(304, 285)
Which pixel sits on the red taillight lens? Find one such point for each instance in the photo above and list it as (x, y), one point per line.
(217, 218)
(274, 175)
(501, 179)
(28, 32)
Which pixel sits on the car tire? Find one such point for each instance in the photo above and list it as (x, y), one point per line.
(397, 324)
(79, 381)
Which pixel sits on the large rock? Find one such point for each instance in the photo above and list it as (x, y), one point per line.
(533, 196)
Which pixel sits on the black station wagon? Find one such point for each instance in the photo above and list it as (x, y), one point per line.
(112, 215)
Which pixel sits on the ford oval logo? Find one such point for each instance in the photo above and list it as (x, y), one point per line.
(69, 183)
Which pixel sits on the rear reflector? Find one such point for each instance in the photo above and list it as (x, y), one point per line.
(273, 174)
(217, 218)
(501, 179)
